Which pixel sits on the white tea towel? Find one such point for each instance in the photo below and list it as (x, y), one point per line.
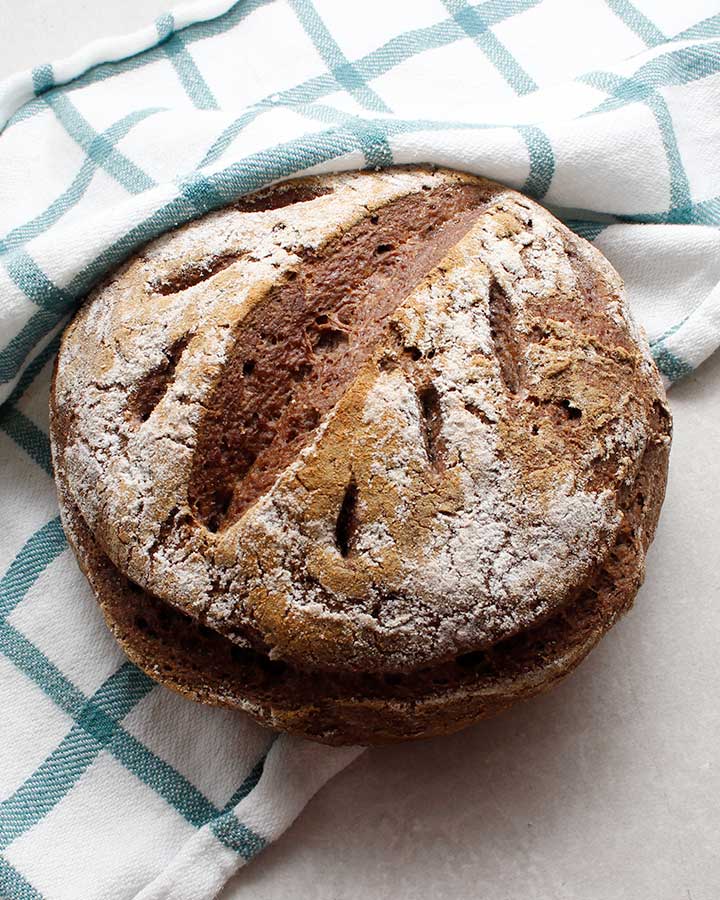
(605, 110)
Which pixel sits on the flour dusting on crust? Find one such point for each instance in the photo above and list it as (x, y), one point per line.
(467, 481)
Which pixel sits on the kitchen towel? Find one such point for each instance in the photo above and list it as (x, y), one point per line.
(607, 111)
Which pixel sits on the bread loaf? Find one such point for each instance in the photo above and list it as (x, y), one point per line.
(368, 455)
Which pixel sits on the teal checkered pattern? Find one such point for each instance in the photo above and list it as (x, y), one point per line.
(97, 719)
(607, 111)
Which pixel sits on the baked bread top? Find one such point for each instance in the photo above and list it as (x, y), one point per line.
(360, 422)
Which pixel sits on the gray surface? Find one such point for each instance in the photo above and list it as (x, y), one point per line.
(606, 789)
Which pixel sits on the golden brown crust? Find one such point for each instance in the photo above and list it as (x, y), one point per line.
(363, 424)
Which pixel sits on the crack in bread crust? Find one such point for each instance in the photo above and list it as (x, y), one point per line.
(430, 459)
(298, 350)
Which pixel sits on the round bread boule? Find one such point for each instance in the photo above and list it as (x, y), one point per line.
(369, 455)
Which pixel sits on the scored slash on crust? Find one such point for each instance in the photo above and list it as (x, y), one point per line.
(308, 339)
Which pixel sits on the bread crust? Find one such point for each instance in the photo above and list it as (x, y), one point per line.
(363, 425)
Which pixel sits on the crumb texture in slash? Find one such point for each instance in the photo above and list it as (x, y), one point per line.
(300, 348)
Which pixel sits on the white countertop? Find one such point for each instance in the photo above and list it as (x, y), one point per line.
(606, 789)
